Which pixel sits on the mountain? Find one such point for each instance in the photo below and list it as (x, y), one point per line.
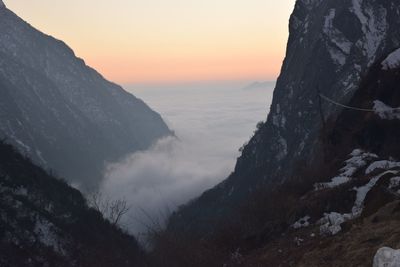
(62, 113)
(258, 85)
(319, 182)
(342, 210)
(346, 209)
(332, 46)
(45, 222)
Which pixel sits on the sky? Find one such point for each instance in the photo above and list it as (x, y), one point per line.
(158, 41)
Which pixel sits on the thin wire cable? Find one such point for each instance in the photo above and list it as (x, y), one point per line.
(353, 108)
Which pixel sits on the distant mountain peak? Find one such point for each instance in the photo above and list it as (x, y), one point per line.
(257, 85)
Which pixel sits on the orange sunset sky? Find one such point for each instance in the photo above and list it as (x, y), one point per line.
(140, 41)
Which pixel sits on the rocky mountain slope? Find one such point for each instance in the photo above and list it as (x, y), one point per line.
(341, 210)
(331, 47)
(44, 222)
(62, 113)
(352, 208)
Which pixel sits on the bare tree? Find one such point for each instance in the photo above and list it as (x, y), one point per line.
(112, 210)
(117, 209)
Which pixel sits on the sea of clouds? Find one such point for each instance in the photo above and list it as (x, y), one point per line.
(211, 122)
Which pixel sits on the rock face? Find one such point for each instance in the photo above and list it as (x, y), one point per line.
(62, 113)
(387, 257)
(331, 46)
(44, 222)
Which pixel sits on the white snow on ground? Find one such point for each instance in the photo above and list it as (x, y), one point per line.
(386, 112)
(359, 159)
(301, 223)
(392, 61)
(336, 181)
(387, 257)
(363, 191)
(358, 11)
(331, 222)
(382, 164)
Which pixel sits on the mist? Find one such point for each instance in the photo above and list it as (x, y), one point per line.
(211, 122)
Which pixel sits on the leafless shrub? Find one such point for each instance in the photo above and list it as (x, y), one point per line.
(112, 210)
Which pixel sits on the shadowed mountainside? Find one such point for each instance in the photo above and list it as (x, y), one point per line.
(44, 222)
(62, 113)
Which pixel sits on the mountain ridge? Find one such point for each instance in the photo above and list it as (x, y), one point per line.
(77, 120)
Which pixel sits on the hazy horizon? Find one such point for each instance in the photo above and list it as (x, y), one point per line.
(200, 84)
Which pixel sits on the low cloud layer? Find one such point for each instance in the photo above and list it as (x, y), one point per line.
(211, 124)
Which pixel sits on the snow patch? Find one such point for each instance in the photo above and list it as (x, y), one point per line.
(382, 164)
(337, 56)
(329, 20)
(374, 27)
(385, 112)
(387, 257)
(336, 181)
(301, 223)
(339, 46)
(331, 222)
(363, 191)
(358, 12)
(358, 159)
(392, 61)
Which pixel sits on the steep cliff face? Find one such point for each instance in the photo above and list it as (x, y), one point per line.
(352, 209)
(62, 113)
(331, 46)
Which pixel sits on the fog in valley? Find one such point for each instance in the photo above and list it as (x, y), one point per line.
(211, 122)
